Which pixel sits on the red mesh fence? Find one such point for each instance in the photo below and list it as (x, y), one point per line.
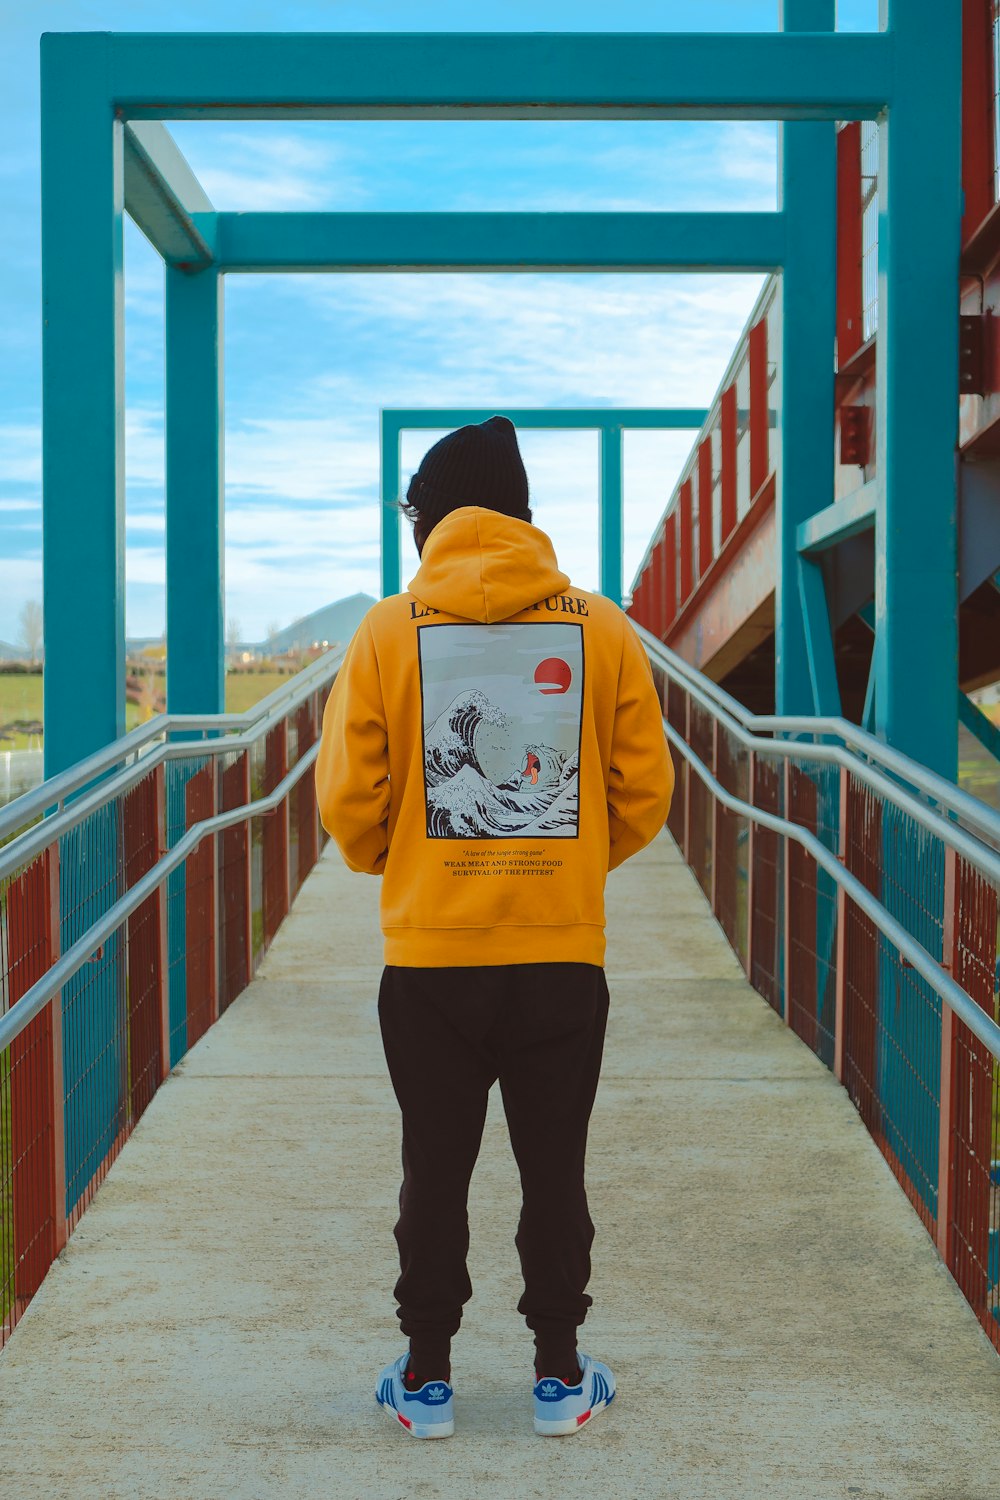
(972, 1239)
(701, 803)
(731, 843)
(32, 1208)
(141, 836)
(863, 859)
(76, 1078)
(303, 843)
(766, 866)
(677, 715)
(235, 937)
(274, 836)
(199, 901)
(94, 1004)
(927, 1090)
(800, 995)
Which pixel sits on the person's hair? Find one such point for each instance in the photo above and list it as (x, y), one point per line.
(424, 503)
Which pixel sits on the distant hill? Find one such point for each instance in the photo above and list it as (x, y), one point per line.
(333, 623)
(9, 652)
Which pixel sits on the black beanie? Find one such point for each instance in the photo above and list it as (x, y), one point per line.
(476, 465)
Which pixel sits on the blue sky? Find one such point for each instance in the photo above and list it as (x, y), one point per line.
(311, 359)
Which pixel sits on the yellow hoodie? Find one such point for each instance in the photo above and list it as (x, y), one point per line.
(493, 745)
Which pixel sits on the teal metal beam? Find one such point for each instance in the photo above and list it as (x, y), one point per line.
(820, 658)
(839, 522)
(868, 712)
(977, 723)
(610, 521)
(497, 241)
(83, 524)
(389, 495)
(195, 494)
(507, 75)
(808, 197)
(83, 490)
(550, 418)
(162, 193)
(917, 389)
(609, 422)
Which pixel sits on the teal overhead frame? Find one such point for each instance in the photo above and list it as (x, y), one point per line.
(495, 241)
(83, 379)
(195, 558)
(104, 150)
(496, 76)
(804, 677)
(610, 423)
(917, 387)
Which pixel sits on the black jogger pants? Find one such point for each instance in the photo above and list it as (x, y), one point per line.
(449, 1034)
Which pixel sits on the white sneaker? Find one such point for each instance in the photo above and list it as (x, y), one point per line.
(561, 1409)
(427, 1413)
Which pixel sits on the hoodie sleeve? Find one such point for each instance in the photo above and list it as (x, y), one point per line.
(352, 766)
(641, 773)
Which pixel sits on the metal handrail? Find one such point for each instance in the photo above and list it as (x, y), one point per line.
(24, 1010)
(950, 992)
(20, 850)
(742, 725)
(940, 981)
(54, 791)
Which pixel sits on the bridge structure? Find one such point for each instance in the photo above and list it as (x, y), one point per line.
(810, 948)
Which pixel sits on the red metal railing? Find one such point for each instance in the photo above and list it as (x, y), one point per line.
(924, 1083)
(728, 475)
(78, 1075)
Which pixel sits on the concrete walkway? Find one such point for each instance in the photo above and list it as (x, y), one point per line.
(778, 1318)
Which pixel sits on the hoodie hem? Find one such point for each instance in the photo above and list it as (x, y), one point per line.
(460, 947)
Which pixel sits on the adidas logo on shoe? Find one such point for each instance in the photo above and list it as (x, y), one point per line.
(436, 1393)
(549, 1391)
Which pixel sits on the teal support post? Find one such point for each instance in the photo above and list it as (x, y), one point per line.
(808, 198)
(609, 422)
(392, 567)
(196, 642)
(83, 503)
(820, 657)
(83, 477)
(917, 390)
(610, 522)
(976, 722)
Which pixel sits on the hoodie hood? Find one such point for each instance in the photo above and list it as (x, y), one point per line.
(485, 566)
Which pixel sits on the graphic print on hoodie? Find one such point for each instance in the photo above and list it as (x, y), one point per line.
(480, 661)
(502, 722)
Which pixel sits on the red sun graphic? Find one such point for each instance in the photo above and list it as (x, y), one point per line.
(553, 675)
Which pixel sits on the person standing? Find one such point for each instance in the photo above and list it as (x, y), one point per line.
(492, 747)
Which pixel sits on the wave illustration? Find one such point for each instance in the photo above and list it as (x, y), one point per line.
(463, 802)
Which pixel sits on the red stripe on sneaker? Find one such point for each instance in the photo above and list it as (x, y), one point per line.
(580, 1420)
(405, 1420)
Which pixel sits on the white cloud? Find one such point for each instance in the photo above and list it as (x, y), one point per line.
(259, 170)
(490, 341)
(302, 470)
(20, 453)
(144, 455)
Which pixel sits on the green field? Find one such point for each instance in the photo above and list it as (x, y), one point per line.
(21, 698)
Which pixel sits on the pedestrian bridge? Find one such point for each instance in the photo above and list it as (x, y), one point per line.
(784, 1167)
(795, 1159)
(778, 1318)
